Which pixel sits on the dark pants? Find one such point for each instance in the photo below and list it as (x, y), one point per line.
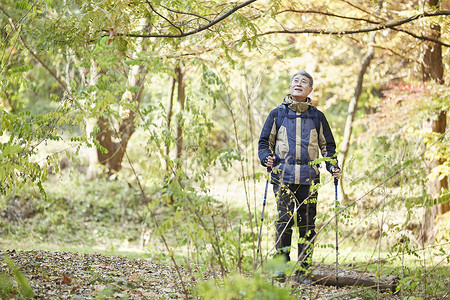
(291, 199)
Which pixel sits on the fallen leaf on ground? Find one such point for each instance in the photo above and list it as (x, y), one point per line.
(65, 279)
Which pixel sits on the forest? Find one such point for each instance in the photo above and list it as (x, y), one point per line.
(129, 135)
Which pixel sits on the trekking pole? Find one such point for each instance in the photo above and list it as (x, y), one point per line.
(336, 181)
(262, 215)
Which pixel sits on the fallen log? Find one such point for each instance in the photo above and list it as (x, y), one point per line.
(326, 275)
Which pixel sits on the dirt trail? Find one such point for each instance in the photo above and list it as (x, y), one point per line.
(67, 275)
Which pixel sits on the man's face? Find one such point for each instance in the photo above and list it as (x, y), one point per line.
(300, 88)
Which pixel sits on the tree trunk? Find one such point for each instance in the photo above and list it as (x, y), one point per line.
(169, 119)
(435, 186)
(433, 69)
(91, 123)
(115, 140)
(328, 275)
(352, 108)
(181, 99)
(353, 105)
(113, 156)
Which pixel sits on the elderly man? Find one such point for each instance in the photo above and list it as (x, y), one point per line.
(291, 139)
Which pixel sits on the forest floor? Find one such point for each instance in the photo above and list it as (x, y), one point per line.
(67, 275)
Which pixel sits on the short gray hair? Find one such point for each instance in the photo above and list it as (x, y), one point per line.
(304, 73)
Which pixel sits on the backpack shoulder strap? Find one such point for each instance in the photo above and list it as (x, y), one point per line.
(281, 114)
(315, 116)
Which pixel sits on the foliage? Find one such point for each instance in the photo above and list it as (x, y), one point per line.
(404, 108)
(19, 286)
(239, 287)
(64, 63)
(23, 133)
(422, 283)
(77, 212)
(205, 231)
(443, 223)
(399, 120)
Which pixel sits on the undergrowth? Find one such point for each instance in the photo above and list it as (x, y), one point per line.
(75, 212)
(14, 284)
(198, 230)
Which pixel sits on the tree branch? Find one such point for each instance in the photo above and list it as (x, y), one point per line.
(391, 25)
(393, 52)
(23, 17)
(151, 7)
(24, 44)
(185, 13)
(361, 9)
(60, 83)
(199, 29)
(425, 38)
(327, 14)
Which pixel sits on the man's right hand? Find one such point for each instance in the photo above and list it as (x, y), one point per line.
(270, 161)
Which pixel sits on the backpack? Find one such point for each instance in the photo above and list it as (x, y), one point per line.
(311, 112)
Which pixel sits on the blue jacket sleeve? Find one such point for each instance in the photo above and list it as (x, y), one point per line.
(266, 142)
(326, 142)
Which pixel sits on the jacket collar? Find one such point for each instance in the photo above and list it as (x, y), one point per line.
(297, 106)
